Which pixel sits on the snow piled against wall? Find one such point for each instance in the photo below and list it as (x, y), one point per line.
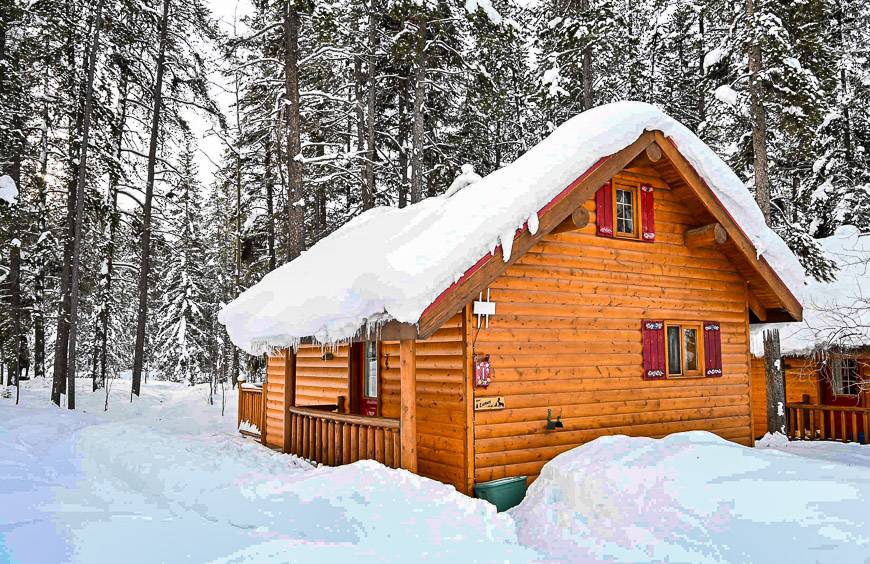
(391, 263)
(695, 497)
(835, 313)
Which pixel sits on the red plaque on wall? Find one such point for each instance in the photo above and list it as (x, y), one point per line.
(482, 371)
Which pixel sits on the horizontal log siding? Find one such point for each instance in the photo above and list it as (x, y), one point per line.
(441, 407)
(801, 378)
(566, 336)
(274, 398)
(319, 381)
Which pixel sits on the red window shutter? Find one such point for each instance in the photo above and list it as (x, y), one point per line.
(604, 210)
(712, 349)
(653, 349)
(647, 214)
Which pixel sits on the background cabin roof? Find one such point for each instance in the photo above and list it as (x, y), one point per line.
(837, 313)
(392, 264)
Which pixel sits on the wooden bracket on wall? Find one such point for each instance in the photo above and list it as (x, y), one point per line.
(706, 236)
(755, 306)
(578, 219)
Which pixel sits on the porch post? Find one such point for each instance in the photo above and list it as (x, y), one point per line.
(408, 421)
(289, 394)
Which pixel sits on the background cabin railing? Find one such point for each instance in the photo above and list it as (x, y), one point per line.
(250, 410)
(811, 422)
(318, 435)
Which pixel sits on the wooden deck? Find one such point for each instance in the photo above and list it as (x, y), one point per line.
(814, 422)
(322, 436)
(250, 409)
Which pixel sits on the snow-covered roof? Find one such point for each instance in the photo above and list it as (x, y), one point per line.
(391, 263)
(835, 313)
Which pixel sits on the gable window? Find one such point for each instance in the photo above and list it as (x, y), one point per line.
(845, 378)
(683, 349)
(625, 200)
(626, 210)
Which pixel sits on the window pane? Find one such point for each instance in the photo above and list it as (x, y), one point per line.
(371, 370)
(851, 384)
(624, 211)
(674, 353)
(691, 341)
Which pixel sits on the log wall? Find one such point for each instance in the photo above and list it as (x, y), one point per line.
(801, 379)
(566, 336)
(320, 381)
(441, 406)
(273, 397)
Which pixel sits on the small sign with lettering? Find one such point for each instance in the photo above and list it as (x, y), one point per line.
(489, 404)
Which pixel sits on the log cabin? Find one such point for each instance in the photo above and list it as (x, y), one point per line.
(604, 283)
(826, 357)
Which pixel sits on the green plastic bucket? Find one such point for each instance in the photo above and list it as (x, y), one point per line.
(504, 493)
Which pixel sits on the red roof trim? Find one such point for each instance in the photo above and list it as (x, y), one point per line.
(486, 258)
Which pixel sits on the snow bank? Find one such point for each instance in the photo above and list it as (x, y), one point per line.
(694, 497)
(835, 313)
(390, 263)
(8, 190)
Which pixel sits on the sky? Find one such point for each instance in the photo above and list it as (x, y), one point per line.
(210, 145)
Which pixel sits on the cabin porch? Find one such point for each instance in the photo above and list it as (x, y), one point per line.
(331, 434)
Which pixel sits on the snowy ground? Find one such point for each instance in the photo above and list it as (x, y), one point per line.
(168, 479)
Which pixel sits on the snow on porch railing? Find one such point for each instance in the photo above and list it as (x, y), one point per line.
(811, 422)
(250, 410)
(334, 439)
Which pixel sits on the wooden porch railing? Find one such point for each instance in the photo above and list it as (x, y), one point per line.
(250, 410)
(333, 439)
(811, 422)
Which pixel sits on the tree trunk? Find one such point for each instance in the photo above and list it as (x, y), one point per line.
(402, 142)
(419, 104)
(702, 109)
(114, 178)
(269, 184)
(587, 66)
(775, 382)
(42, 222)
(362, 154)
(295, 195)
(61, 347)
(145, 264)
(758, 117)
(370, 122)
(80, 201)
(237, 274)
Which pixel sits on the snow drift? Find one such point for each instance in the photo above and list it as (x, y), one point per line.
(391, 263)
(835, 313)
(695, 497)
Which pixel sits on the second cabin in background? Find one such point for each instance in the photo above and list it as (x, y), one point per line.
(604, 283)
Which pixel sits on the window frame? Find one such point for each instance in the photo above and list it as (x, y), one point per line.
(855, 368)
(699, 344)
(635, 210)
(366, 375)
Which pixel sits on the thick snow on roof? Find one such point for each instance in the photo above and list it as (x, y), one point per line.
(835, 313)
(391, 263)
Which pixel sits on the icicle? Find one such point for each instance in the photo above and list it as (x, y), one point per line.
(507, 243)
(532, 222)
